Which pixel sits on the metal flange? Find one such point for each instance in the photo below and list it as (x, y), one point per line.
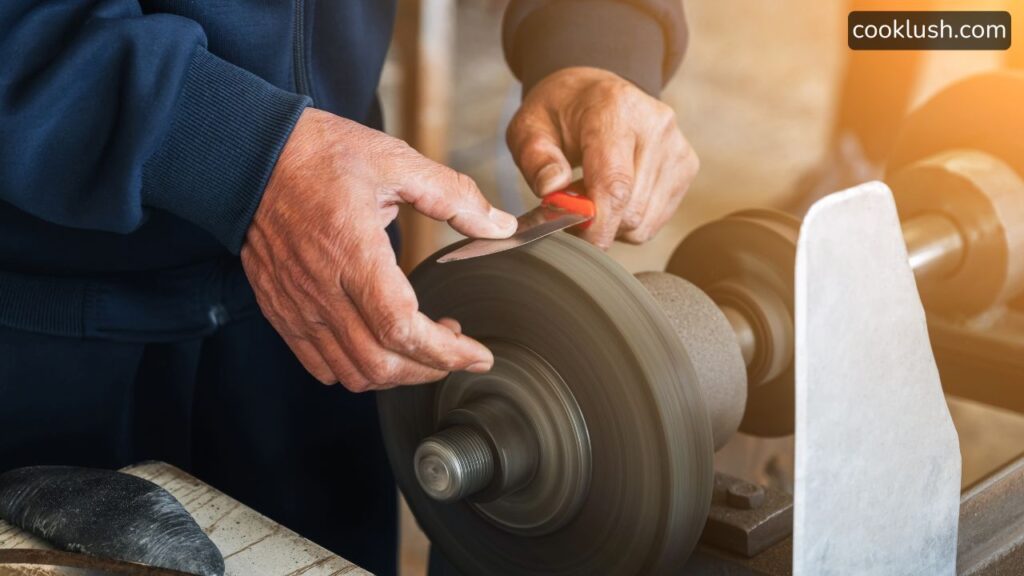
(982, 199)
(979, 115)
(530, 419)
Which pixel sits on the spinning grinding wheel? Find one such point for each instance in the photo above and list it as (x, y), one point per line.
(586, 450)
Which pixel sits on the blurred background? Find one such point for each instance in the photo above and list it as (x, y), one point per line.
(775, 104)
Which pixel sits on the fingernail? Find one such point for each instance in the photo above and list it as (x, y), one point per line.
(480, 367)
(548, 179)
(503, 220)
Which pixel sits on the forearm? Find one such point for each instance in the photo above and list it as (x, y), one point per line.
(640, 40)
(108, 113)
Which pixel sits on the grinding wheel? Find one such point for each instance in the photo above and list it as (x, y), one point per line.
(563, 317)
(746, 261)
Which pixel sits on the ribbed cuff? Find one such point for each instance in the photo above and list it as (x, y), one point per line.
(227, 133)
(600, 34)
(42, 304)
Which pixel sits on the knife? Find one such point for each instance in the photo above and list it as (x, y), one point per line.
(557, 211)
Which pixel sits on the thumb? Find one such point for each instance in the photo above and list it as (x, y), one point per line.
(441, 193)
(536, 147)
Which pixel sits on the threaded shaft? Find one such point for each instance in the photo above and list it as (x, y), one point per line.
(454, 463)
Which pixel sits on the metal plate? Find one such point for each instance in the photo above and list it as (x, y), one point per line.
(648, 427)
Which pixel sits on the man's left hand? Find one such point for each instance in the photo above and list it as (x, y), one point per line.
(636, 163)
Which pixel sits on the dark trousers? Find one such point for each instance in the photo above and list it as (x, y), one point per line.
(235, 408)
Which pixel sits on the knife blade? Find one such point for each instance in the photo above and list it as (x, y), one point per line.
(557, 211)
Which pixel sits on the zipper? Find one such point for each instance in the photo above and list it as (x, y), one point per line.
(299, 49)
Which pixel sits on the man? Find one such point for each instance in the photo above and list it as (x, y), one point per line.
(196, 214)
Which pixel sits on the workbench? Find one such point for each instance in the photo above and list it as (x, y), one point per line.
(252, 544)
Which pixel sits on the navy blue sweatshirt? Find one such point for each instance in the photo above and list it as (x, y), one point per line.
(136, 136)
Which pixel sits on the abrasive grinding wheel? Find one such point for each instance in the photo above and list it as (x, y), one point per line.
(746, 261)
(600, 399)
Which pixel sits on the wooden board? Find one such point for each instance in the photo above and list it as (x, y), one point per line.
(252, 544)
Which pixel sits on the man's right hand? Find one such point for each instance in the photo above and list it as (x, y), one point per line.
(322, 267)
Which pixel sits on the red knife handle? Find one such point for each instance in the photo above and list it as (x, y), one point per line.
(571, 199)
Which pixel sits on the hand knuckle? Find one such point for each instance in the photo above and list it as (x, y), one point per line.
(300, 278)
(533, 145)
(389, 146)
(249, 261)
(618, 90)
(693, 162)
(667, 115)
(629, 238)
(450, 364)
(632, 219)
(516, 128)
(276, 320)
(465, 184)
(380, 370)
(259, 279)
(395, 331)
(272, 312)
(618, 188)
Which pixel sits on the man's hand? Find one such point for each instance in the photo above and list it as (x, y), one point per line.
(636, 163)
(324, 272)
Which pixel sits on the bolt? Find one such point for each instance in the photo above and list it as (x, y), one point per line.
(454, 463)
(745, 496)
